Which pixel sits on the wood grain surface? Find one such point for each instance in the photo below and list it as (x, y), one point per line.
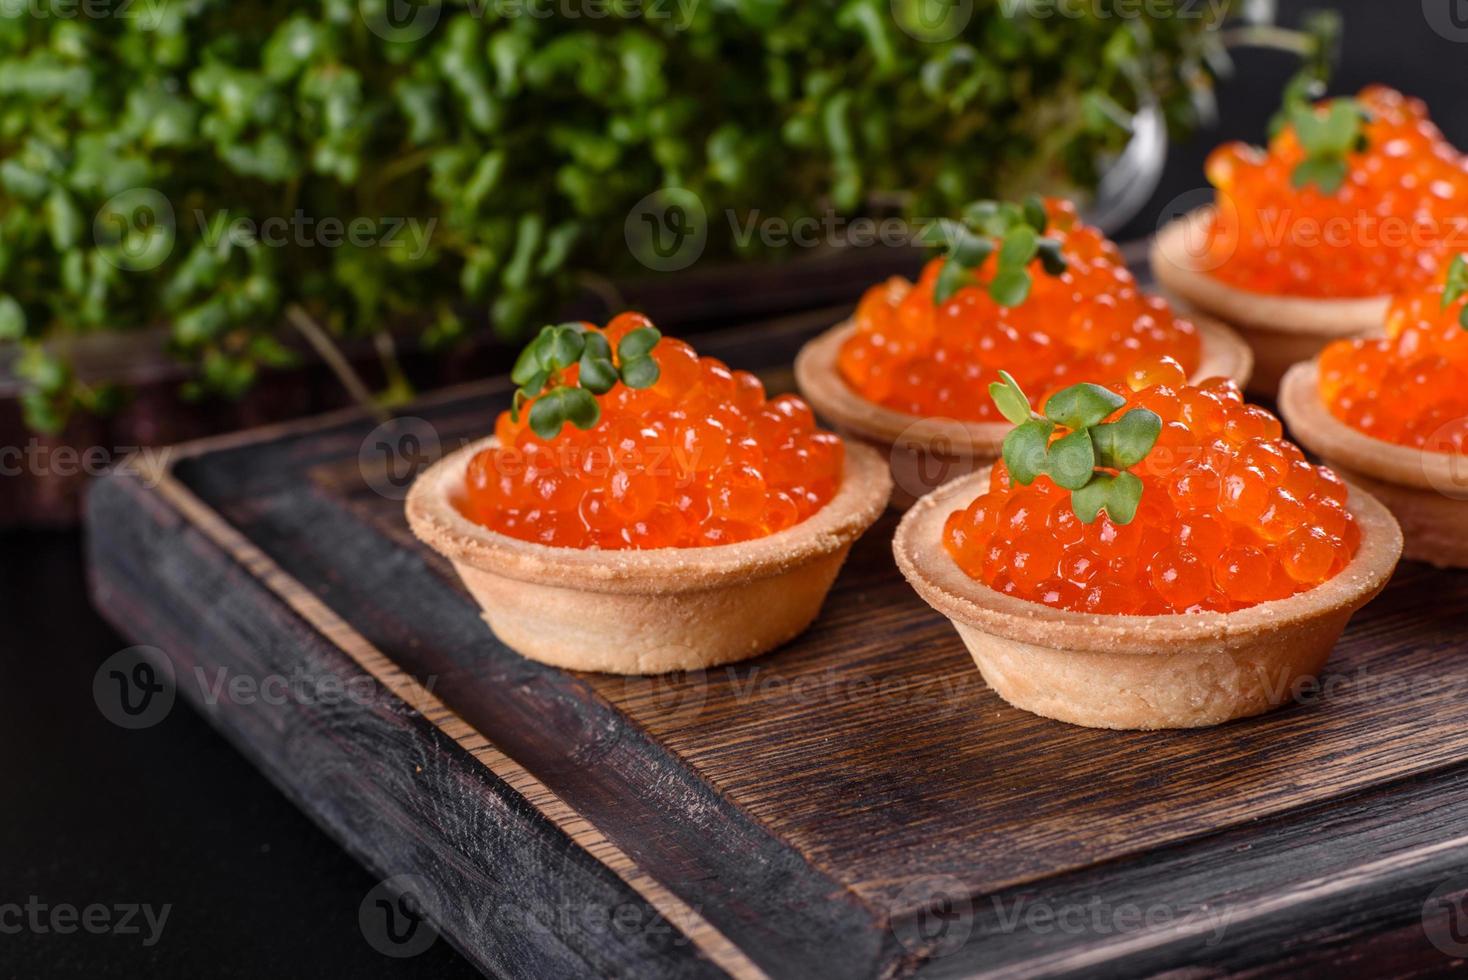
(857, 803)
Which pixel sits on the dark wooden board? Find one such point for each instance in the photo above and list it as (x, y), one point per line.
(854, 804)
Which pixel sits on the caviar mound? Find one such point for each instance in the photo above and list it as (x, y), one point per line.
(1090, 323)
(1231, 515)
(1409, 386)
(1404, 199)
(700, 458)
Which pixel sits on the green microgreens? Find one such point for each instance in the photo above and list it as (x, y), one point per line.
(538, 373)
(1456, 285)
(1015, 231)
(1327, 135)
(1092, 459)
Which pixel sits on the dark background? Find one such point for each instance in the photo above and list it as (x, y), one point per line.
(172, 814)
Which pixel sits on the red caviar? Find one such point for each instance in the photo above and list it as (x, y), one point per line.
(700, 458)
(1231, 515)
(1091, 323)
(1404, 203)
(1410, 386)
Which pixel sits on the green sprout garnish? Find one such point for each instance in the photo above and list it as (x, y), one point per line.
(1015, 231)
(1092, 459)
(1456, 285)
(1327, 135)
(538, 372)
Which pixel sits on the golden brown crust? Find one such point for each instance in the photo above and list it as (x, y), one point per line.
(1140, 671)
(927, 452)
(1424, 490)
(647, 611)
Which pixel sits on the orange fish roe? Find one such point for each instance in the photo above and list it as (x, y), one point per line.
(1403, 203)
(700, 458)
(1090, 323)
(1411, 384)
(1231, 515)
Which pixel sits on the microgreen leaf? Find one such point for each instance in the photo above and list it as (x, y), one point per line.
(951, 278)
(1050, 257)
(1019, 246)
(640, 372)
(564, 347)
(1128, 440)
(1327, 174)
(527, 365)
(972, 250)
(1035, 213)
(1025, 450)
(597, 374)
(1010, 287)
(1082, 405)
(1118, 495)
(1457, 280)
(560, 405)
(943, 233)
(1071, 460)
(517, 403)
(1010, 399)
(638, 343)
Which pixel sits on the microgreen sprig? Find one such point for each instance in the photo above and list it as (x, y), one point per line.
(1092, 459)
(1456, 285)
(1016, 231)
(1327, 135)
(538, 372)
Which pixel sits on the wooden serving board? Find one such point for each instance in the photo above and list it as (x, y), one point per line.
(855, 804)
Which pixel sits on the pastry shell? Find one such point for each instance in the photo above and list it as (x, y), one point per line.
(1141, 672)
(1426, 491)
(655, 610)
(1282, 330)
(927, 452)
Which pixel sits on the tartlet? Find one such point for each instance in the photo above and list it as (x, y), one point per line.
(1425, 490)
(642, 510)
(1353, 201)
(1141, 672)
(925, 453)
(1029, 289)
(1279, 330)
